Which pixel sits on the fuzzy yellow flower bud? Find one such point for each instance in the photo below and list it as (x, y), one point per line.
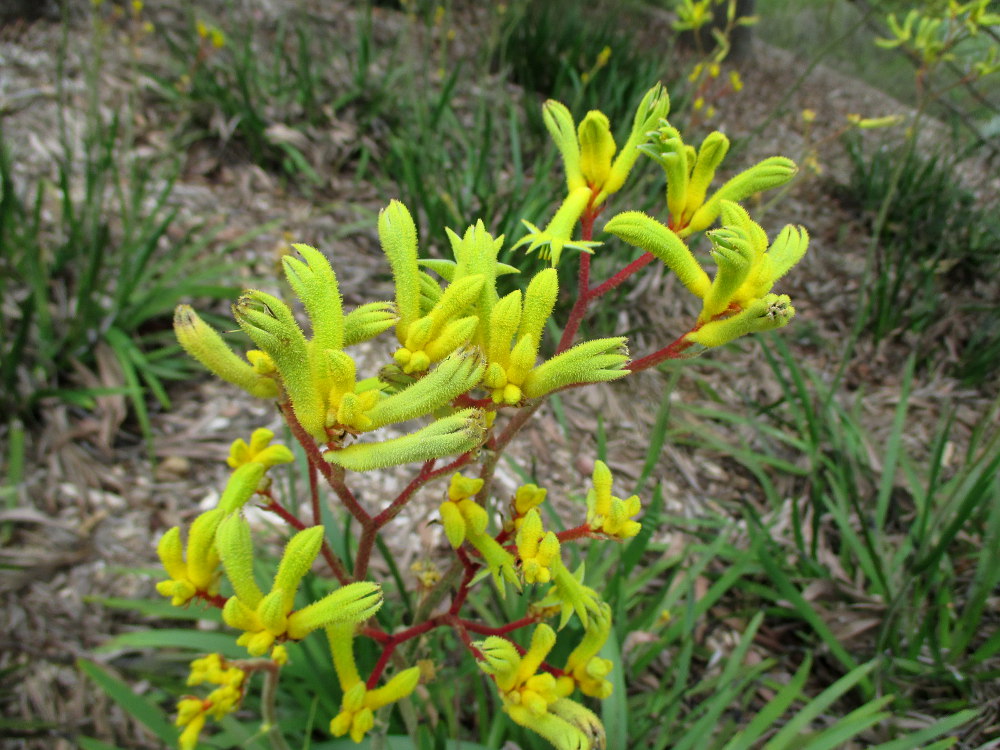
(203, 343)
(196, 572)
(536, 548)
(528, 496)
(597, 148)
(242, 485)
(607, 514)
(461, 432)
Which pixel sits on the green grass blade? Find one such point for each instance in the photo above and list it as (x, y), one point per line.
(788, 736)
(136, 706)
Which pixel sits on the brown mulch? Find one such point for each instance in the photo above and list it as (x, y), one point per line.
(91, 507)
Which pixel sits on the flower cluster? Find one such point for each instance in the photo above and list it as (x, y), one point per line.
(193, 712)
(467, 369)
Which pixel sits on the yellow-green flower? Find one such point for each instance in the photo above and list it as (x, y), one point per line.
(531, 697)
(259, 450)
(608, 514)
(464, 520)
(266, 619)
(537, 549)
(192, 712)
(196, 572)
(584, 668)
(357, 710)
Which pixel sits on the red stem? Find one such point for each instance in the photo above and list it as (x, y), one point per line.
(641, 262)
(325, 468)
(314, 494)
(578, 532)
(216, 600)
(673, 351)
(336, 566)
(463, 587)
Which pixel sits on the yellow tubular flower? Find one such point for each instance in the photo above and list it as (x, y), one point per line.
(457, 374)
(269, 618)
(357, 713)
(461, 487)
(466, 521)
(368, 321)
(570, 595)
(242, 485)
(646, 233)
(765, 314)
(769, 173)
(498, 560)
(655, 106)
(558, 234)
(536, 548)
(357, 710)
(259, 450)
(597, 148)
(584, 669)
(442, 330)
(192, 712)
(748, 268)
(594, 361)
(559, 123)
(203, 343)
(197, 572)
(509, 368)
(398, 236)
(461, 432)
(532, 699)
(315, 284)
(528, 496)
(607, 514)
(271, 325)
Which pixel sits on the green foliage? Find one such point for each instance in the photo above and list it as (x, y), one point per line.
(258, 89)
(587, 60)
(908, 537)
(936, 239)
(86, 268)
(449, 164)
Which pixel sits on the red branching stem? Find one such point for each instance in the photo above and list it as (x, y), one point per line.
(286, 515)
(463, 588)
(333, 478)
(672, 351)
(465, 401)
(579, 307)
(588, 294)
(314, 494)
(427, 473)
(463, 634)
(216, 600)
(365, 545)
(375, 633)
(392, 641)
(371, 527)
(606, 286)
(380, 665)
(336, 480)
(336, 566)
(578, 532)
(497, 445)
